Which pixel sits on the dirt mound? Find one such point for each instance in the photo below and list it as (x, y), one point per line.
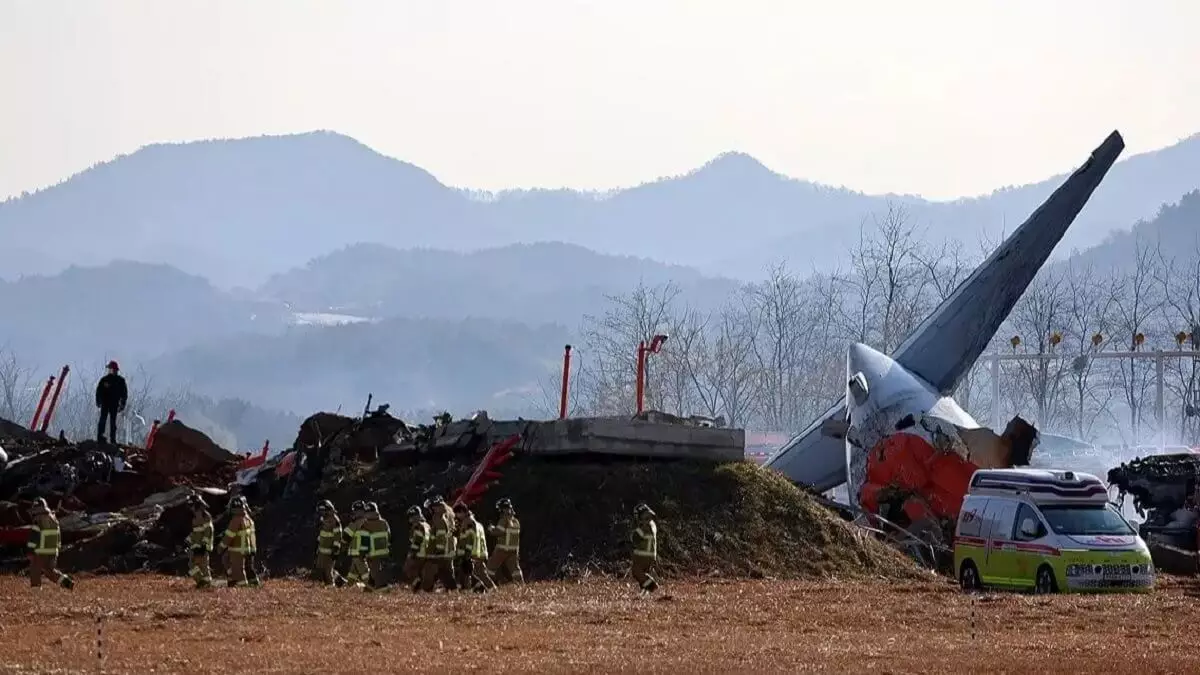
(732, 519)
(182, 450)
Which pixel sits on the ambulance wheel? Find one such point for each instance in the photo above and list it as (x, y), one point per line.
(968, 577)
(1045, 582)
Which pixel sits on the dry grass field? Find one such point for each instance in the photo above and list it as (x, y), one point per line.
(161, 625)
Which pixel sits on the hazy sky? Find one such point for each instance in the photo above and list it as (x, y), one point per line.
(941, 98)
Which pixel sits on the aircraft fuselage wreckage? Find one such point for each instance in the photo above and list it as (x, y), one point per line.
(903, 447)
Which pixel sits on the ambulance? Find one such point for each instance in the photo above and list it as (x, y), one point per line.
(1046, 531)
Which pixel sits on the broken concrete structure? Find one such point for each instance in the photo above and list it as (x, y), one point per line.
(615, 436)
(627, 437)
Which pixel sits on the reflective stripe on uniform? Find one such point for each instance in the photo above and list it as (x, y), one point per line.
(508, 535)
(46, 542)
(377, 544)
(473, 543)
(646, 541)
(350, 532)
(418, 541)
(241, 540)
(443, 541)
(478, 543)
(326, 540)
(202, 535)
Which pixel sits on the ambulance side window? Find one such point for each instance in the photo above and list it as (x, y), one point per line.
(1002, 513)
(1028, 513)
(970, 523)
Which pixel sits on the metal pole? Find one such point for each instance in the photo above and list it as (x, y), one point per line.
(62, 376)
(37, 414)
(1158, 402)
(641, 374)
(995, 393)
(566, 378)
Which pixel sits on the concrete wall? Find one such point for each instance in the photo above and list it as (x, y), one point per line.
(632, 438)
(592, 435)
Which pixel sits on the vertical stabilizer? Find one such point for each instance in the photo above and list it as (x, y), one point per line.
(951, 339)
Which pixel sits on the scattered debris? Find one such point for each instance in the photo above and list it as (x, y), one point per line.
(182, 450)
(117, 505)
(1164, 493)
(727, 519)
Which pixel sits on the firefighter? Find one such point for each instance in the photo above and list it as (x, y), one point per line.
(111, 396)
(329, 543)
(377, 540)
(645, 548)
(506, 555)
(200, 541)
(44, 541)
(236, 542)
(472, 552)
(451, 529)
(252, 555)
(418, 547)
(439, 562)
(357, 571)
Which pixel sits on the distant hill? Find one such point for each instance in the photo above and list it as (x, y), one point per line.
(123, 310)
(239, 211)
(1175, 230)
(549, 282)
(413, 364)
(435, 328)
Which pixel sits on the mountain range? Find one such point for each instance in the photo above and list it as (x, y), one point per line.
(239, 211)
(220, 265)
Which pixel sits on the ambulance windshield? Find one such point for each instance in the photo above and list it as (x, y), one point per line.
(1099, 519)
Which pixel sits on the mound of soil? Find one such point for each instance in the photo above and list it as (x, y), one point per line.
(733, 519)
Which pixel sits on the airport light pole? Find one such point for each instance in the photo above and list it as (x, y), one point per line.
(1080, 362)
(644, 350)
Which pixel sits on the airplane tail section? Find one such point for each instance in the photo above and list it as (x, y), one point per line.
(951, 339)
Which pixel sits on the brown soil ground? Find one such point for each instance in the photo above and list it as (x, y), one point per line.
(159, 624)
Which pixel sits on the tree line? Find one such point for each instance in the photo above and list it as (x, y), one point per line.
(772, 358)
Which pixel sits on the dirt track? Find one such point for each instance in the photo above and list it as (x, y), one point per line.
(159, 624)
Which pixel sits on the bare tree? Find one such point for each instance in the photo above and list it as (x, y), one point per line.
(1180, 287)
(18, 389)
(1038, 315)
(733, 378)
(547, 399)
(607, 373)
(1136, 306)
(681, 371)
(780, 343)
(946, 267)
(1089, 309)
(888, 281)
